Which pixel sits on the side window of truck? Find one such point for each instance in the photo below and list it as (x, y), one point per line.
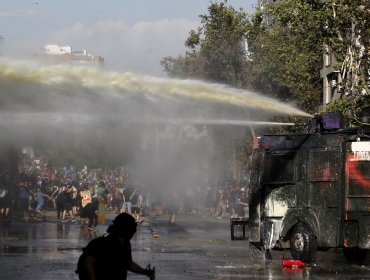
(323, 166)
(278, 169)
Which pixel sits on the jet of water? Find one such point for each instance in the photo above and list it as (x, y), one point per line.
(227, 122)
(74, 89)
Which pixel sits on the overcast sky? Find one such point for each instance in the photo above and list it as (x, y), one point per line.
(131, 35)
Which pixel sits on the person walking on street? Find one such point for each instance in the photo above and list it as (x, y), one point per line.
(75, 201)
(126, 206)
(5, 202)
(24, 204)
(53, 195)
(68, 203)
(59, 202)
(136, 202)
(40, 198)
(109, 257)
(89, 212)
(117, 199)
(172, 206)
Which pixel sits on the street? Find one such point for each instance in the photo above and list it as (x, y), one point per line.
(194, 248)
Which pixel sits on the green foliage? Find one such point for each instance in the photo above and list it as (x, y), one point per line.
(347, 37)
(349, 40)
(175, 67)
(340, 105)
(286, 43)
(286, 40)
(345, 16)
(351, 109)
(216, 50)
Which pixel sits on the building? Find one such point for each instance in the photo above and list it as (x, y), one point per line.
(262, 4)
(341, 80)
(331, 79)
(64, 54)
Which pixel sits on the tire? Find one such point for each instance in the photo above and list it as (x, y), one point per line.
(303, 243)
(355, 254)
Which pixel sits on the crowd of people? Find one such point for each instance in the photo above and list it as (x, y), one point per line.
(225, 201)
(41, 186)
(84, 192)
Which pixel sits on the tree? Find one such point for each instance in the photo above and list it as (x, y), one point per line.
(216, 51)
(287, 40)
(286, 45)
(350, 27)
(349, 23)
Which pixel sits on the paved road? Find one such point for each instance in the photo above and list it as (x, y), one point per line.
(194, 248)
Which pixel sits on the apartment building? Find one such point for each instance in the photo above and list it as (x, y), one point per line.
(64, 54)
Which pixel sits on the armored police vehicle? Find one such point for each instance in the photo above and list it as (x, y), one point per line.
(312, 191)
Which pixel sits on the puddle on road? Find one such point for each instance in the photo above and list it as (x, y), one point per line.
(34, 250)
(42, 238)
(28, 247)
(56, 237)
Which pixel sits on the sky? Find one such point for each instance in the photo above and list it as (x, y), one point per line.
(131, 35)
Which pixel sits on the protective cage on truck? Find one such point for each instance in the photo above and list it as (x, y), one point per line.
(312, 191)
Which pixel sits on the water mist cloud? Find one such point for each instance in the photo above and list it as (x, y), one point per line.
(124, 117)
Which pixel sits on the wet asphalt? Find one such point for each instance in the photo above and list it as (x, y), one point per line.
(195, 247)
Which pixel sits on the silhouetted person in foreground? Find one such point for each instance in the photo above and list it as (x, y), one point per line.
(109, 257)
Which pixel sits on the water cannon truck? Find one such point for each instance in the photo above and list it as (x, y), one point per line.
(311, 191)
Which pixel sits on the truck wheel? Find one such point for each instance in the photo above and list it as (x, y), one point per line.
(302, 243)
(355, 254)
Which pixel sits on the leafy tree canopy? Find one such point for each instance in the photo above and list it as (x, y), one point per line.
(287, 40)
(286, 44)
(216, 50)
(349, 23)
